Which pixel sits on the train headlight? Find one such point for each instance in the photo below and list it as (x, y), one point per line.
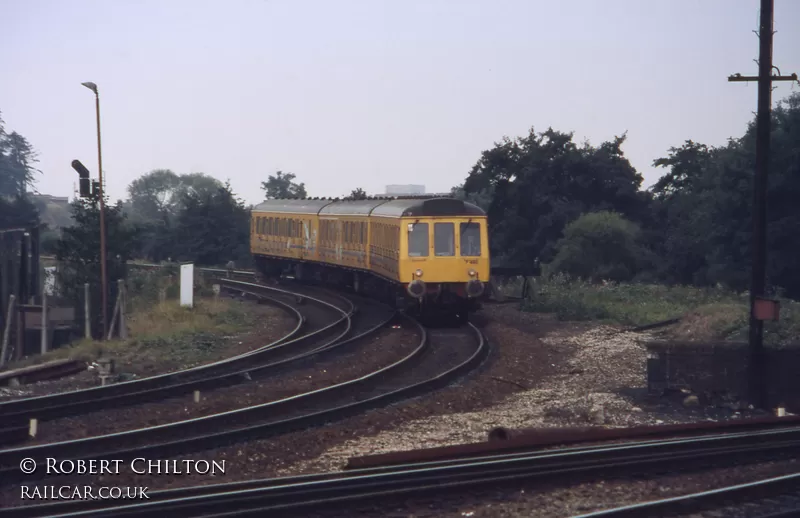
(472, 273)
(418, 273)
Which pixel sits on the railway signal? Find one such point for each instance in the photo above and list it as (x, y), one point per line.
(85, 185)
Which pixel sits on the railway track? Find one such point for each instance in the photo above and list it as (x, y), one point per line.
(228, 371)
(433, 363)
(296, 496)
(773, 497)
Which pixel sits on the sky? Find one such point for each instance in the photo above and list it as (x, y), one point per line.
(367, 93)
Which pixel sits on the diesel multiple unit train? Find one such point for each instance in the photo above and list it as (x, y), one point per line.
(421, 254)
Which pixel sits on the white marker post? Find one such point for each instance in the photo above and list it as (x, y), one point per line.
(187, 285)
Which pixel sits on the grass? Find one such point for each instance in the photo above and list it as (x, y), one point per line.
(707, 313)
(164, 334)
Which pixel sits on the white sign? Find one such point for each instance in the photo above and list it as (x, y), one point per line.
(187, 285)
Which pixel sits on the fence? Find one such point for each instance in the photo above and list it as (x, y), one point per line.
(716, 369)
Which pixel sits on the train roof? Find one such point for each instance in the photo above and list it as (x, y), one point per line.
(293, 206)
(386, 207)
(403, 208)
(352, 207)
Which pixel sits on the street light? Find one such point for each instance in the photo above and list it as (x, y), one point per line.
(104, 292)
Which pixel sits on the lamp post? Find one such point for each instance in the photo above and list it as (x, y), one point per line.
(104, 291)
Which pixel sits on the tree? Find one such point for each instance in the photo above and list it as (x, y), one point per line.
(16, 177)
(539, 183)
(703, 208)
(156, 200)
(158, 194)
(78, 253)
(357, 194)
(281, 185)
(213, 228)
(154, 195)
(17, 159)
(598, 246)
(482, 199)
(686, 164)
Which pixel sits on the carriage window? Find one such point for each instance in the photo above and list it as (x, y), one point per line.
(471, 239)
(444, 239)
(418, 240)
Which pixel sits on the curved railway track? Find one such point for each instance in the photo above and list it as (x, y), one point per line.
(433, 363)
(216, 374)
(298, 495)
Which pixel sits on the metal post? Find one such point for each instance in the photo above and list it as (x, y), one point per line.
(7, 330)
(35, 286)
(102, 219)
(23, 268)
(758, 280)
(86, 313)
(758, 381)
(114, 317)
(123, 307)
(22, 289)
(44, 323)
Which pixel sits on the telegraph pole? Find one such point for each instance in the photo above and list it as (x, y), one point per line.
(103, 279)
(758, 381)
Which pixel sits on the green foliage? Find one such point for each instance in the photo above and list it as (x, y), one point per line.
(482, 199)
(695, 223)
(212, 229)
(357, 194)
(598, 246)
(159, 194)
(702, 225)
(281, 185)
(541, 182)
(18, 212)
(709, 313)
(156, 201)
(78, 253)
(633, 304)
(17, 159)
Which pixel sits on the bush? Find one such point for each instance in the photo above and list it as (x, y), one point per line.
(598, 246)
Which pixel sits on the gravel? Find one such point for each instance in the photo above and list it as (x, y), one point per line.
(540, 373)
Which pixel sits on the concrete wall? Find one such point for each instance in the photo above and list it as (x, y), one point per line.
(718, 368)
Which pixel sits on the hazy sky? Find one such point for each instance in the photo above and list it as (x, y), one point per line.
(365, 93)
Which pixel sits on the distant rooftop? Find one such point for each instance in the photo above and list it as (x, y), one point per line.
(396, 190)
(51, 198)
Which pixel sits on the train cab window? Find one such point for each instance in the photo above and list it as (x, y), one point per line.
(444, 239)
(470, 239)
(418, 243)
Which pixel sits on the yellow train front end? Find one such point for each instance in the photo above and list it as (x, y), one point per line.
(443, 254)
(446, 261)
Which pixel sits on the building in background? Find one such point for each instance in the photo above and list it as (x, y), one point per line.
(404, 190)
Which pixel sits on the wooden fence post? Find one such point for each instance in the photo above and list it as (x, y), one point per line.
(7, 330)
(111, 328)
(44, 323)
(123, 308)
(87, 320)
